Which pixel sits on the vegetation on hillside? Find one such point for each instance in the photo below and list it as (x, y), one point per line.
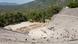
(33, 15)
(36, 11)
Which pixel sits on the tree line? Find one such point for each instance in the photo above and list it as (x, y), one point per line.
(33, 15)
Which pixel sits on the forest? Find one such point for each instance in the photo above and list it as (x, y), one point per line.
(36, 11)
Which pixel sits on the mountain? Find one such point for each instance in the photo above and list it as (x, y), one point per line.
(44, 3)
(37, 3)
(6, 3)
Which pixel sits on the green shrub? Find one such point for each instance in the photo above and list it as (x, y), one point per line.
(73, 4)
(11, 19)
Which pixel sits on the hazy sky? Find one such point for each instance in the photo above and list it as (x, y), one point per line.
(16, 1)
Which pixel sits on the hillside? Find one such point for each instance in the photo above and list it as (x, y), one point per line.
(62, 29)
(35, 11)
(44, 3)
(36, 3)
(39, 22)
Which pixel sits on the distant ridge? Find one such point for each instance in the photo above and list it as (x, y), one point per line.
(6, 3)
(35, 4)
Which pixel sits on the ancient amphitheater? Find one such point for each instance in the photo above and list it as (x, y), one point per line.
(62, 29)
